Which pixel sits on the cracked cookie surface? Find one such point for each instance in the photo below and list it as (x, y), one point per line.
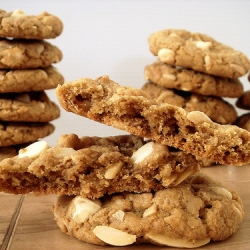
(132, 110)
(170, 76)
(191, 214)
(17, 24)
(198, 52)
(215, 108)
(95, 166)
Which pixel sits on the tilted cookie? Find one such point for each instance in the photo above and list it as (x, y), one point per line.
(198, 52)
(17, 24)
(22, 80)
(132, 110)
(27, 107)
(23, 54)
(190, 80)
(243, 102)
(215, 108)
(243, 121)
(189, 215)
(94, 166)
(12, 133)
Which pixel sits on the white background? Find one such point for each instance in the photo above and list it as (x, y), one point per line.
(110, 38)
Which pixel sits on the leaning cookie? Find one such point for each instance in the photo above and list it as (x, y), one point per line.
(12, 133)
(215, 108)
(25, 54)
(170, 76)
(132, 110)
(190, 215)
(17, 24)
(23, 80)
(243, 102)
(28, 107)
(94, 166)
(198, 52)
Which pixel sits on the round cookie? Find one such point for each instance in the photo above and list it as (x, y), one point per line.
(24, 54)
(27, 107)
(170, 76)
(215, 108)
(189, 215)
(17, 24)
(243, 101)
(198, 52)
(12, 133)
(23, 80)
(243, 121)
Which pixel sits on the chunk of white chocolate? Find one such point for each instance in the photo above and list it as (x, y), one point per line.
(198, 117)
(61, 152)
(114, 236)
(18, 13)
(149, 211)
(166, 55)
(176, 242)
(33, 150)
(113, 171)
(222, 191)
(119, 215)
(143, 152)
(203, 45)
(84, 208)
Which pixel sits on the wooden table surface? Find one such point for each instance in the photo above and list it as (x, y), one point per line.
(26, 222)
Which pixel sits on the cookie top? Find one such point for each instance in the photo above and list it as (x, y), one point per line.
(243, 121)
(12, 133)
(23, 54)
(23, 80)
(28, 107)
(132, 110)
(198, 52)
(17, 24)
(192, 214)
(190, 80)
(243, 101)
(215, 108)
(95, 166)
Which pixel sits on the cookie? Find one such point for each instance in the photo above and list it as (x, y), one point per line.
(243, 101)
(190, 80)
(243, 121)
(17, 24)
(215, 108)
(12, 133)
(23, 80)
(94, 166)
(27, 107)
(198, 52)
(132, 110)
(190, 215)
(27, 54)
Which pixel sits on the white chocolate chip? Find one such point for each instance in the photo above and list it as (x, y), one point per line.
(59, 152)
(222, 191)
(84, 208)
(149, 211)
(203, 45)
(113, 171)
(238, 68)
(183, 176)
(119, 215)
(114, 236)
(18, 13)
(23, 97)
(166, 55)
(143, 152)
(207, 61)
(198, 117)
(169, 76)
(33, 150)
(176, 242)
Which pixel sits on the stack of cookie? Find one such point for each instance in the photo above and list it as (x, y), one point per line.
(26, 71)
(195, 72)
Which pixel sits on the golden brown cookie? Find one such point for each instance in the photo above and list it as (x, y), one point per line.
(24, 54)
(190, 215)
(190, 80)
(198, 52)
(132, 110)
(27, 107)
(23, 80)
(17, 24)
(95, 166)
(215, 108)
(243, 101)
(12, 133)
